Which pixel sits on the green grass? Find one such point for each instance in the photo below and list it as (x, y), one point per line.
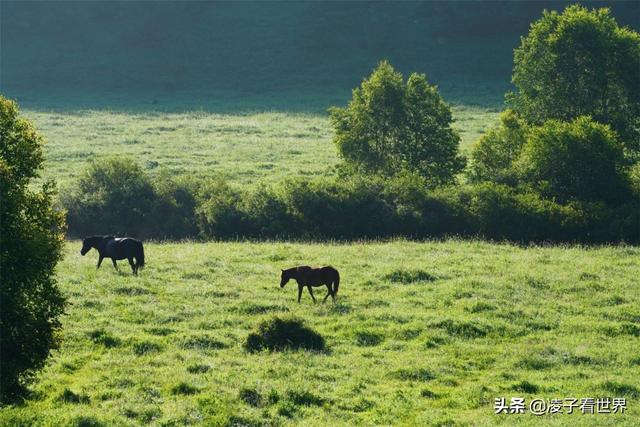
(422, 334)
(244, 148)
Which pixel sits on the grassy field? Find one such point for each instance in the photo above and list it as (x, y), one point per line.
(422, 334)
(242, 147)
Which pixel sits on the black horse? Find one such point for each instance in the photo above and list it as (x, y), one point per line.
(116, 248)
(307, 276)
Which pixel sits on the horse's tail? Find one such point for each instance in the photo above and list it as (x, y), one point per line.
(140, 256)
(336, 284)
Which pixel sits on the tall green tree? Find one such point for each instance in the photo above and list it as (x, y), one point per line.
(392, 126)
(580, 63)
(31, 240)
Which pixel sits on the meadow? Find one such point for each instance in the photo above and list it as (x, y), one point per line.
(243, 147)
(423, 333)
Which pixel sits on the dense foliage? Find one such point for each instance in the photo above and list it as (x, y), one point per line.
(358, 207)
(115, 196)
(577, 63)
(390, 126)
(31, 240)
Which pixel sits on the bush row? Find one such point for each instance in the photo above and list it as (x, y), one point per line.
(118, 197)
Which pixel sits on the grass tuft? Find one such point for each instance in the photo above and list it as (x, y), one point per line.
(279, 334)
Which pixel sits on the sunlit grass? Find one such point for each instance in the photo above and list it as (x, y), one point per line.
(244, 148)
(422, 333)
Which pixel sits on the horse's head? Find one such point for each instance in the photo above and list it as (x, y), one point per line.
(86, 246)
(285, 277)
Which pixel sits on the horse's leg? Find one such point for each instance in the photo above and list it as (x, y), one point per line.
(133, 266)
(299, 293)
(100, 261)
(311, 292)
(333, 292)
(329, 292)
(113, 260)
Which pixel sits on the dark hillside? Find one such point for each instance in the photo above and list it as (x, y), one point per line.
(254, 55)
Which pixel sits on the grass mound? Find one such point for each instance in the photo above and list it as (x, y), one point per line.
(278, 334)
(410, 276)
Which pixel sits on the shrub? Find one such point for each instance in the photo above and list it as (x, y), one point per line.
(578, 63)
(113, 196)
(578, 160)
(493, 155)
(31, 239)
(279, 334)
(218, 214)
(391, 125)
(116, 196)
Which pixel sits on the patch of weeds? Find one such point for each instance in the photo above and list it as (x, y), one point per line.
(410, 276)
(536, 283)
(91, 304)
(85, 421)
(69, 396)
(480, 307)
(194, 275)
(409, 334)
(340, 308)
(461, 329)
(287, 409)
(221, 294)
(184, 389)
(252, 308)
(626, 328)
(202, 342)
(525, 387)
(376, 303)
(102, 337)
(278, 334)
(163, 332)
(535, 362)
(146, 347)
(131, 291)
(588, 276)
(621, 389)
(612, 300)
(250, 396)
(304, 398)
(428, 394)
(198, 368)
(435, 341)
(368, 339)
(418, 374)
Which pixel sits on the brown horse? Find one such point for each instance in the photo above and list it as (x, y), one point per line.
(307, 276)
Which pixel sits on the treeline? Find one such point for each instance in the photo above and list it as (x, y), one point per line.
(562, 164)
(118, 196)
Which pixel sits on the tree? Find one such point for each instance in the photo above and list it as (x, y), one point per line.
(493, 155)
(580, 63)
(31, 241)
(391, 126)
(578, 160)
(114, 196)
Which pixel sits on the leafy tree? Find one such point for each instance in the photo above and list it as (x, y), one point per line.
(114, 196)
(493, 155)
(577, 63)
(391, 126)
(578, 160)
(31, 240)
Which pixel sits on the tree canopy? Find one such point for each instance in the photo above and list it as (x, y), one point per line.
(576, 63)
(392, 126)
(31, 240)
